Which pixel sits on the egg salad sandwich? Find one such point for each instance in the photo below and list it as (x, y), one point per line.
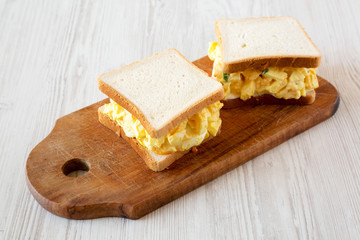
(164, 106)
(268, 60)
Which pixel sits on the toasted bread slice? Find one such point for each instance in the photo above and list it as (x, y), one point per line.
(265, 42)
(154, 161)
(268, 100)
(161, 91)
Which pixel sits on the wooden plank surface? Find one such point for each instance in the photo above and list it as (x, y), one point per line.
(51, 53)
(118, 182)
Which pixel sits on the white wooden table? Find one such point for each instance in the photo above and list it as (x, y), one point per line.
(51, 53)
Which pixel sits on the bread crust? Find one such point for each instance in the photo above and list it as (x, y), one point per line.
(268, 99)
(265, 62)
(136, 112)
(143, 152)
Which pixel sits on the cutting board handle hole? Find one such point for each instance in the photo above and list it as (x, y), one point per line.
(75, 167)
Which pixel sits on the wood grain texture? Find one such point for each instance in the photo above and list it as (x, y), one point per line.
(120, 184)
(51, 54)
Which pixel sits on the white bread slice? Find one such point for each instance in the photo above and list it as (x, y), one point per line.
(155, 162)
(265, 42)
(161, 91)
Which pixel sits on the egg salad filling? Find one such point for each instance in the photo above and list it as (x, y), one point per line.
(189, 133)
(286, 83)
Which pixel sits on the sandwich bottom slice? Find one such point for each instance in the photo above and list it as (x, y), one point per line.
(272, 85)
(159, 153)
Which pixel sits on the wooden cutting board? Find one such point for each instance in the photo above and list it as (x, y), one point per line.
(118, 183)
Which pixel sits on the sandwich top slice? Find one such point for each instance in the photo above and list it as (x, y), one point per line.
(163, 106)
(257, 57)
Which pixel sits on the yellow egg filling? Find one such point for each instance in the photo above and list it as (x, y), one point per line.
(189, 133)
(285, 83)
